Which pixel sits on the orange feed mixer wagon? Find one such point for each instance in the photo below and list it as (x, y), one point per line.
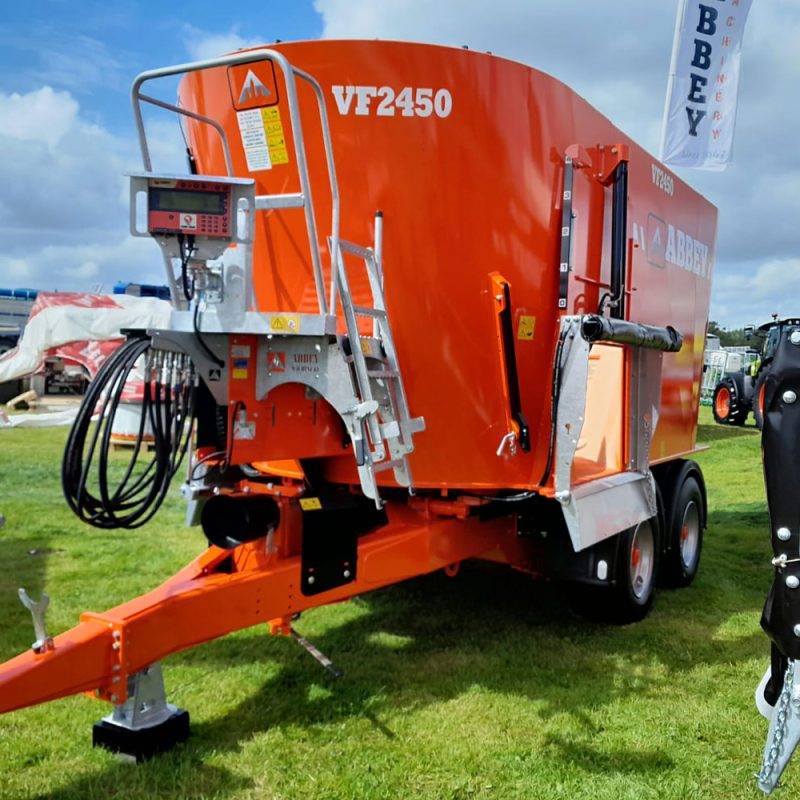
(430, 305)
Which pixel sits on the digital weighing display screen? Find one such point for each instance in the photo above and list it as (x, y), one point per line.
(191, 202)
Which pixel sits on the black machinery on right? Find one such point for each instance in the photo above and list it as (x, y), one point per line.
(778, 694)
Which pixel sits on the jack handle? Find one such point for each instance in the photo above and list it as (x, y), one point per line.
(43, 642)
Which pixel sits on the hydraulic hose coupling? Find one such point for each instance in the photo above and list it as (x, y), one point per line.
(230, 520)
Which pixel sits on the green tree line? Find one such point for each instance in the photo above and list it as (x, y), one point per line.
(730, 338)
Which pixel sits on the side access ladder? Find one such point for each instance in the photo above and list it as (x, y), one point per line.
(377, 377)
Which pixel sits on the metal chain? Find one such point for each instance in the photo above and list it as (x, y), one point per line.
(782, 710)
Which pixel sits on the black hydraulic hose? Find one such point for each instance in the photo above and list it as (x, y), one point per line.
(88, 474)
(201, 341)
(74, 471)
(186, 246)
(116, 390)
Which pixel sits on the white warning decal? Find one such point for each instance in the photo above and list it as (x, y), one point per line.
(262, 138)
(254, 139)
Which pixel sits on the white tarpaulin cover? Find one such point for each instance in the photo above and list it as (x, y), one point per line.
(701, 105)
(47, 419)
(81, 327)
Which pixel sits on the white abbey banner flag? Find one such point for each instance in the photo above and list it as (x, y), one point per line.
(700, 113)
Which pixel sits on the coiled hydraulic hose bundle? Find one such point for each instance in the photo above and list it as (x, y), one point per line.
(103, 491)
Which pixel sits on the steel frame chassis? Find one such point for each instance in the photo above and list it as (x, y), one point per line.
(222, 591)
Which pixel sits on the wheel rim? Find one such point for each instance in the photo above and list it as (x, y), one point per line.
(642, 560)
(690, 534)
(722, 404)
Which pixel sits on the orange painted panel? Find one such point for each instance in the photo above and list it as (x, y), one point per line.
(600, 447)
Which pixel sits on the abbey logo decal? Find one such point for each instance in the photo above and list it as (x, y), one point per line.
(252, 85)
(251, 88)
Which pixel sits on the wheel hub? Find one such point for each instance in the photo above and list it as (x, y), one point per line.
(722, 404)
(642, 560)
(690, 534)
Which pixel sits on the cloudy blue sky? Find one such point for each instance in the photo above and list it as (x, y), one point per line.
(66, 133)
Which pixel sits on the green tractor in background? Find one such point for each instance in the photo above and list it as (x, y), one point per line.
(737, 393)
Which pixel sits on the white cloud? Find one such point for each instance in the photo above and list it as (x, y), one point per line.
(80, 64)
(58, 171)
(40, 116)
(84, 265)
(202, 45)
(64, 204)
(772, 287)
(17, 270)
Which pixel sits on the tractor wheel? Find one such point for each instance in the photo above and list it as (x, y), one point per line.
(728, 404)
(630, 597)
(684, 534)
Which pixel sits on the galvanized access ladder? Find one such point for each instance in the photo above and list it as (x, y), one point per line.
(377, 377)
(362, 379)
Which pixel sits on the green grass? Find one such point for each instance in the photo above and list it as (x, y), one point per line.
(485, 686)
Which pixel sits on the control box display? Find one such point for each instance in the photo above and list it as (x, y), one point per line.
(198, 207)
(194, 219)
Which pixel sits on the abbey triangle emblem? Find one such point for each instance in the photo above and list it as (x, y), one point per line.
(252, 88)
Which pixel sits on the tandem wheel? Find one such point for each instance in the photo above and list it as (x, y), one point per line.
(630, 595)
(684, 524)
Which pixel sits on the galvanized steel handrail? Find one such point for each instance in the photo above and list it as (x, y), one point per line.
(290, 74)
(186, 113)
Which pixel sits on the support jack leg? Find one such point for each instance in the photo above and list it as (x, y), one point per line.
(145, 724)
(316, 654)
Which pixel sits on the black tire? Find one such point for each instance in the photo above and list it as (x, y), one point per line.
(630, 596)
(683, 534)
(728, 404)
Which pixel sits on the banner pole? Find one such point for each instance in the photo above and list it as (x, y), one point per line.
(672, 69)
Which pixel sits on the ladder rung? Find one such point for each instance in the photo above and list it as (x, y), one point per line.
(382, 466)
(376, 313)
(266, 201)
(413, 425)
(356, 250)
(383, 373)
